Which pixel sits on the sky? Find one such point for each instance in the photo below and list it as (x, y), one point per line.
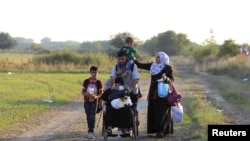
(92, 20)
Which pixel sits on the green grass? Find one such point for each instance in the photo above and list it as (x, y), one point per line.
(22, 94)
(198, 112)
(233, 90)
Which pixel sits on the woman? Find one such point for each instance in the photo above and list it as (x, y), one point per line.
(159, 118)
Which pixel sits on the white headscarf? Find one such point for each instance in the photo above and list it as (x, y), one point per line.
(158, 67)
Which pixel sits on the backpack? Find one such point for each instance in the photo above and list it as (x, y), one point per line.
(98, 84)
(131, 67)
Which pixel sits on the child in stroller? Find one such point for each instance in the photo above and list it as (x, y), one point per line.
(120, 111)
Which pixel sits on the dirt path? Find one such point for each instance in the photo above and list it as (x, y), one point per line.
(68, 122)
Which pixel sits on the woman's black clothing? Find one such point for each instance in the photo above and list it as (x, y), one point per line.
(159, 117)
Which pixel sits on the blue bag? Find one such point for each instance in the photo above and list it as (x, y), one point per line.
(163, 89)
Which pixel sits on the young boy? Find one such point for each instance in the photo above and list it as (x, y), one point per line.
(130, 52)
(92, 88)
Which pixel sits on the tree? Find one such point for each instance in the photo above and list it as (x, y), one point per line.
(228, 49)
(150, 46)
(96, 47)
(23, 43)
(6, 41)
(46, 40)
(118, 40)
(172, 43)
(39, 49)
(169, 42)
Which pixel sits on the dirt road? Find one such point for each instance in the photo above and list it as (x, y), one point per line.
(68, 122)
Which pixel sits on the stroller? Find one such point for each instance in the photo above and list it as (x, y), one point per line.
(132, 127)
(120, 117)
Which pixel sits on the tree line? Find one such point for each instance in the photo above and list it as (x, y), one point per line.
(170, 42)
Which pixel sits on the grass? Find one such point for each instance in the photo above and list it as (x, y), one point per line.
(234, 90)
(16, 58)
(198, 114)
(22, 94)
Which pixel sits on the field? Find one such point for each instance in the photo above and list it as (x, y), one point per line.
(207, 99)
(22, 94)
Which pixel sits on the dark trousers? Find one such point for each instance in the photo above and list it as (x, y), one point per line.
(90, 110)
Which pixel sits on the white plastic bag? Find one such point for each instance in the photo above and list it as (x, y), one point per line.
(177, 113)
(119, 103)
(91, 91)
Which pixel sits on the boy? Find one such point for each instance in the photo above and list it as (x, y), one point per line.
(130, 52)
(92, 88)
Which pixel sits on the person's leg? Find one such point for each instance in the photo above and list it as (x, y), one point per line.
(127, 66)
(108, 119)
(87, 107)
(124, 117)
(90, 110)
(151, 117)
(169, 127)
(92, 116)
(162, 117)
(126, 120)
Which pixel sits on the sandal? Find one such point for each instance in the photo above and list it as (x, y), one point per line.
(125, 133)
(109, 131)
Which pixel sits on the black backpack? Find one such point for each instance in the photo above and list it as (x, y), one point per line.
(116, 68)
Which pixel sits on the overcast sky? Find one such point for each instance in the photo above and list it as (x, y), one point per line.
(91, 20)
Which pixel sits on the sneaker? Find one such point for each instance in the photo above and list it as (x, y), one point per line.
(86, 135)
(91, 135)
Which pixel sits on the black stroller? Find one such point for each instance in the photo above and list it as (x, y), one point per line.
(122, 118)
(132, 127)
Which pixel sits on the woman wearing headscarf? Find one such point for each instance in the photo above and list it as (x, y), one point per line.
(159, 118)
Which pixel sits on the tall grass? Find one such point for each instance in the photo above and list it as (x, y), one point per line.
(238, 66)
(57, 62)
